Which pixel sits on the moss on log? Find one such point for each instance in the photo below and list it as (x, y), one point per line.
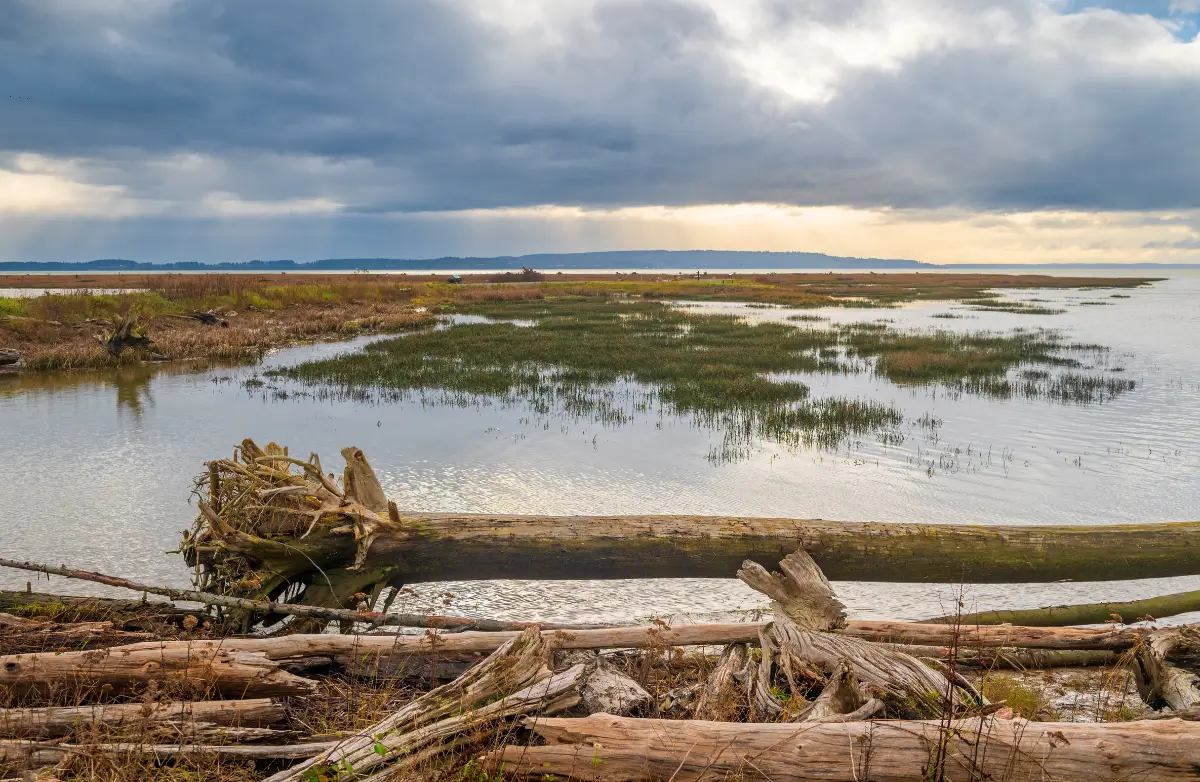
(1086, 613)
(427, 546)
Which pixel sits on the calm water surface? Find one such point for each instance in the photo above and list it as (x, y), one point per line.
(98, 466)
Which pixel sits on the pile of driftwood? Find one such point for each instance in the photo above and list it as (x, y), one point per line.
(805, 695)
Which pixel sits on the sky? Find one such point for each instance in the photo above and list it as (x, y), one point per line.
(948, 131)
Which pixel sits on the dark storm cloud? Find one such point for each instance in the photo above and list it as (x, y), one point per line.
(408, 106)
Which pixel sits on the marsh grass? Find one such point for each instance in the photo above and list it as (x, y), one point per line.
(610, 359)
(1014, 307)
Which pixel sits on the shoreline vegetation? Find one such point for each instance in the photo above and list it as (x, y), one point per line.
(236, 691)
(257, 312)
(606, 348)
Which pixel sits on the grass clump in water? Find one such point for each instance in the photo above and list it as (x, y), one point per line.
(1014, 307)
(715, 368)
(609, 359)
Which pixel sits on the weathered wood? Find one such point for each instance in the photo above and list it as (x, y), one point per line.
(513, 681)
(723, 697)
(365, 653)
(26, 754)
(201, 667)
(131, 614)
(1160, 683)
(9, 357)
(1018, 659)
(994, 636)
(18, 634)
(1085, 614)
(603, 748)
(800, 592)
(841, 700)
(605, 689)
(57, 721)
(805, 610)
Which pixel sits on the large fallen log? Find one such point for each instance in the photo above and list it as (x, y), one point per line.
(274, 520)
(236, 663)
(186, 717)
(603, 748)
(1086, 613)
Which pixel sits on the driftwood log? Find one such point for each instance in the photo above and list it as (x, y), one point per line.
(127, 331)
(801, 639)
(188, 718)
(9, 357)
(514, 681)
(196, 667)
(273, 521)
(250, 666)
(30, 755)
(723, 697)
(1018, 659)
(603, 748)
(128, 614)
(20, 634)
(1086, 613)
(1160, 683)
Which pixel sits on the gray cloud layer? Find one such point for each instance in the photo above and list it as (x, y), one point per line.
(410, 106)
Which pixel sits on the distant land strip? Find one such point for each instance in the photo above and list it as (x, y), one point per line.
(617, 259)
(622, 259)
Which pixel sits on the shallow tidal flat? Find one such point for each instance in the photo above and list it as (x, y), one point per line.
(924, 410)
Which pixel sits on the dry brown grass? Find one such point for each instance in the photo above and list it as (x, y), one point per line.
(57, 331)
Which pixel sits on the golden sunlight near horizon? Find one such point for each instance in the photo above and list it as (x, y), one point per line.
(936, 236)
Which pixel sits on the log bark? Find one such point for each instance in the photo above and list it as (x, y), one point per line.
(513, 681)
(200, 667)
(1085, 614)
(1160, 683)
(58, 721)
(602, 748)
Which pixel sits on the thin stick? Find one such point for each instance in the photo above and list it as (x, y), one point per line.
(313, 612)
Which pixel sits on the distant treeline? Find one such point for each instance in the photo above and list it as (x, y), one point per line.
(621, 259)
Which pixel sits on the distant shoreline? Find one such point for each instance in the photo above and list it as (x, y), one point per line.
(661, 261)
